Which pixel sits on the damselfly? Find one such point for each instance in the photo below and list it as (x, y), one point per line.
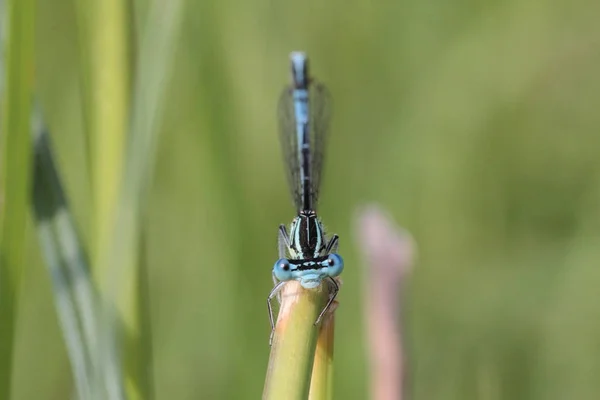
(305, 255)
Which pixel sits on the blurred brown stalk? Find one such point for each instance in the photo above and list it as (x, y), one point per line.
(388, 253)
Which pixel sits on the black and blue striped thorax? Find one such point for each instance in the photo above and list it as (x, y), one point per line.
(307, 239)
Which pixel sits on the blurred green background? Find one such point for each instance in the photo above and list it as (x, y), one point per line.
(475, 123)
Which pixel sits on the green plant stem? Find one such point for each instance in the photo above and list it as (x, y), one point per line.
(15, 157)
(321, 383)
(293, 349)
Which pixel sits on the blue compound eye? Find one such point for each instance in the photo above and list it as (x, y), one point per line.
(335, 265)
(282, 270)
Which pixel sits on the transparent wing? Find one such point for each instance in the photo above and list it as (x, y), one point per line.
(319, 117)
(320, 105)
(289, 144)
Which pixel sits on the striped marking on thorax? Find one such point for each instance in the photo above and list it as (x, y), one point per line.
(307, 236)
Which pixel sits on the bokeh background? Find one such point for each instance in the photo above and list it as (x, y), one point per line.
(476, 124)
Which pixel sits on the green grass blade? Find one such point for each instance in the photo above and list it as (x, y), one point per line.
(74, 294)
(106, 60)
(321, 382)
(104, 37)
(15, 173)
(121, 258)
(292, 354)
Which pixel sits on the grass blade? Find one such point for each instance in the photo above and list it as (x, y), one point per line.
(74, 294)
(321, 382)
(293, 350)
(121, 258)
(15, 173)
(106, 59)
(104, 38)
